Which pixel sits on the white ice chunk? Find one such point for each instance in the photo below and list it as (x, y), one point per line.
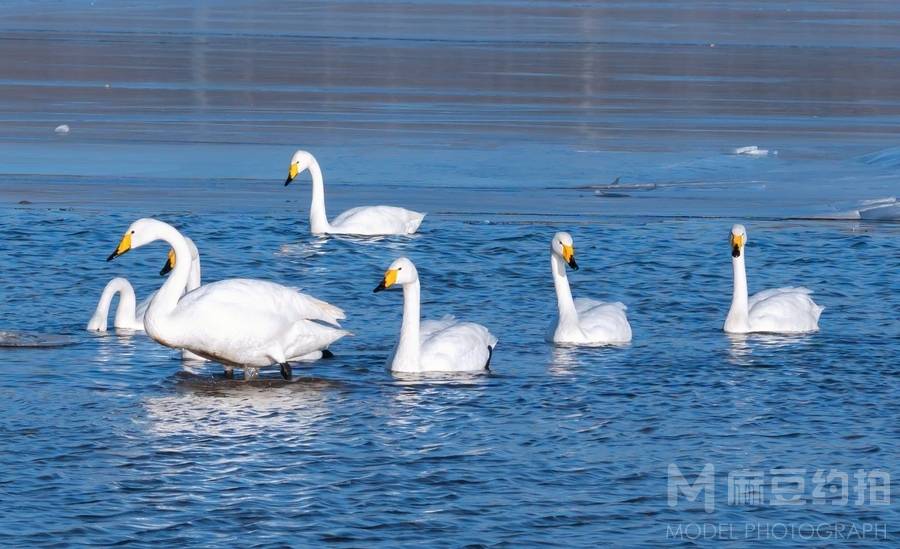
(881, 211)
(753, 150)
(62, 129)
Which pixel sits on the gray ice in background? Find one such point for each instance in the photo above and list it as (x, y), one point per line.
(555, 97)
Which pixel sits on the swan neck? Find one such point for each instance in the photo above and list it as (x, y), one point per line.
(408, 347)
(124, 310)
(318, 221)
(166, 299)
(194, 276)
(564, 300)
(738, 315)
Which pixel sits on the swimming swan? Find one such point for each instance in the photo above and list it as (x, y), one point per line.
(131, 317)
(364, 220)
(445, 345)
(583, 321)
(241, 323)
(780, 310)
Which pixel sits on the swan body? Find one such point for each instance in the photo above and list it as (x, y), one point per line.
(364, 220)
(128, 315)
(582, 321)
(241, 323)
(779, 310)
(445, 345)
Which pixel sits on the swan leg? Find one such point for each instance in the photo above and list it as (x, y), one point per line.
(327, 354)
(286, 371)
(229, 373)
(487, 365)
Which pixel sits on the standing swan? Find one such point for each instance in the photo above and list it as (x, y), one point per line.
(784, 310)
(583, 321)
(131, 317)
(445, 345)
(364, 220)
(241, 323)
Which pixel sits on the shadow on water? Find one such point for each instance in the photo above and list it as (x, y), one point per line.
(17, 340)
(193, 381)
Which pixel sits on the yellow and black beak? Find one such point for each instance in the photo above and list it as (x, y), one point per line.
(568, 254)
(170, 263)
(292, 173)
(124, 246)
(737, 243)
(390, 278)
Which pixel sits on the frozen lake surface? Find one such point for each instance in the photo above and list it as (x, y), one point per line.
(505, 121)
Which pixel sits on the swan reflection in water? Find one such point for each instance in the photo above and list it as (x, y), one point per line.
(215, 406)
(566, 360)
(742, 346)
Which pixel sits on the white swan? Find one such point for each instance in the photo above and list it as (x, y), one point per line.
(445, 345)
(364, 220)
(780, 310)
(583, 321)
(241, 323)
(128, 315)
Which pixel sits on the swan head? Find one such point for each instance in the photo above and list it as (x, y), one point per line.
(300, 162)
(140, 233)
(564, 246)
(738, 240)
(170, 261)
(401, 271)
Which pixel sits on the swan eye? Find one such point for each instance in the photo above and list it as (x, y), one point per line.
(132, 232)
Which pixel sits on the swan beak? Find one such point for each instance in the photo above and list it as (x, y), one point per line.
(737, 242)
(292, 173)
(390, 278)
(170, 263)
(569, 256)
(124, 246)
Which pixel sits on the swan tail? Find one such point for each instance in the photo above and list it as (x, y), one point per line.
(413, 224)
(333, 312)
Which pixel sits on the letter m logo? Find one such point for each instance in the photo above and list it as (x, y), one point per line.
(705, 482)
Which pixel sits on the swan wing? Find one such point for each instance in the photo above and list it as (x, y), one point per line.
(784, 310)
(264, 296)
(603, 322)
(377, 220)
(251, 323)
(449, 345)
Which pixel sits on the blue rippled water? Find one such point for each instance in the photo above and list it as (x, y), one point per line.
(111, 439)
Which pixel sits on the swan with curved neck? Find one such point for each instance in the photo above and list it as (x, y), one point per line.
(779, 310)
(364, 220)
(582, 321)
(241, 323)
(445, 345)
(129, 315)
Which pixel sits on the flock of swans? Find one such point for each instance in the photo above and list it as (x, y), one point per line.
(251, 324)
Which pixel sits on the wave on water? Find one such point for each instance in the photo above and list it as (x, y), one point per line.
(885, 158)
